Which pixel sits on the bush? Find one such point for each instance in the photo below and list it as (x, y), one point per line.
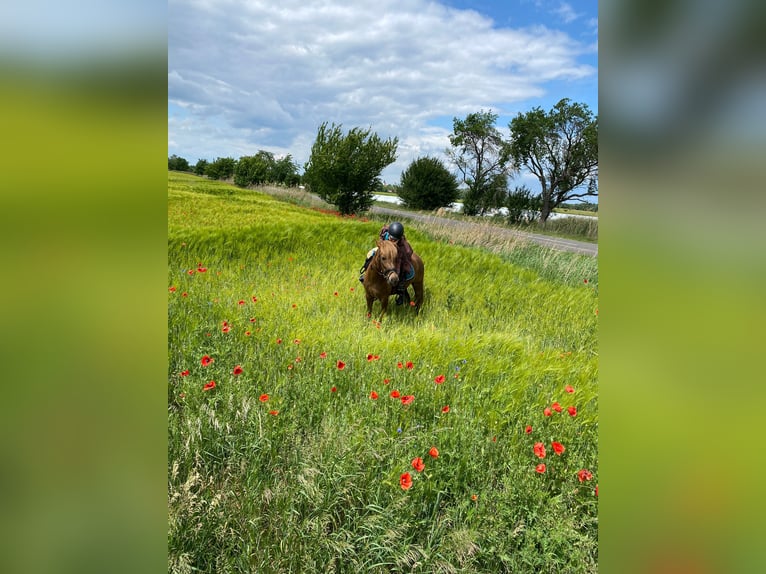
(221, 168)
(177, 163)
(522, 205)
(427, 184)
(200, 167)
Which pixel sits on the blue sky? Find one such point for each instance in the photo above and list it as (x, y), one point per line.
(249, 75)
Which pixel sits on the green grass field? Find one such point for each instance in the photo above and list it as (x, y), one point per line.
(296, 459)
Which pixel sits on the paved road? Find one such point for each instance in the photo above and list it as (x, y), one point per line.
(552, 242)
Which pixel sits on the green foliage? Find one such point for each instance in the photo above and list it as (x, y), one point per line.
(178, 163)
(255, 169)
(221, 168)
(315, 486)
(200, 167)
(345, 169)
(481, 156)
(427, 184)
(560, 148)
(263, 168)
(522, 205)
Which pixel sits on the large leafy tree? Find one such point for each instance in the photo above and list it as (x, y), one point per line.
(254, 169)
(560, 148)
(178, 163)
(481, 156)
(428, 184)
(344, 169)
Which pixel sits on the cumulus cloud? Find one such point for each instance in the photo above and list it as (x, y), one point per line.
(250, 75)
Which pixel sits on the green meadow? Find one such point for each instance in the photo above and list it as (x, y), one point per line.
(287, 451)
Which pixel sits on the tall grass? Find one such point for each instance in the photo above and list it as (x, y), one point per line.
(292, 466)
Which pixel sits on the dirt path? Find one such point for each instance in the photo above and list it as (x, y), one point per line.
(571, 245)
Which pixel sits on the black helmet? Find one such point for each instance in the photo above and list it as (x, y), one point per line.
(396, 230)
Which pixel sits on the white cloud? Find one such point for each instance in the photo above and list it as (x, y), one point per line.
(250, 75)
(567, 13)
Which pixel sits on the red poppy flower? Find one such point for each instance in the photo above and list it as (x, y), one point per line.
(341, 365)
(182, 395)
(352, 289)
(334, 389)
(201, 269)
(206, 360)
(279, 341)
(540, 468)
(369, 357)
(294, 306)
(528, 430)
(412, 303)
(399, 365)
(584, 280)
(252, 319)
(172, 289)
(433, 452)
(297, 341)
(323, 355)
(241, 302)
(417, 464)
(255, 299)
(596, 490)
(539, 450)
(572, 411)
(185, 373)
(184, 294)
(556, 407)
(584, 474)
(374, 396)
(445, 409)
(247, 333)
(386, 381)
(558, 448)
(190, 271)
(336, 293)
(547, 412)
(237, 370)
(208, 386)
(225, 329)
(289, 367)
(405, 481)
(263, 398)
(273, 413)
(407, 399)
(569, 389)
(395, 394)
(439, 379)
(409, 365)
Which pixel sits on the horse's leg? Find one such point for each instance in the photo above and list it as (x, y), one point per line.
(370, 301)
(383, 306)
(417, 285)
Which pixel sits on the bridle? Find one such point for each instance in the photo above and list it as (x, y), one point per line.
(385, 273)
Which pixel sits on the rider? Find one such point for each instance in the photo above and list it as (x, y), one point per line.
(394, 232)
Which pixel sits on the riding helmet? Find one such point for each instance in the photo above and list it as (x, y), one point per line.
(396, 230)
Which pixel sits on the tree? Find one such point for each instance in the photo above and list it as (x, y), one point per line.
(481, 156)
(522, 205)
(254, 169)
(285, 171)
(221, 168)
(345, 169)
(177, 163)
(200, 167)
(560, 148)
(427, 184)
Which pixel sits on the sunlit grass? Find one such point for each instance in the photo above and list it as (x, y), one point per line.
(314, 485)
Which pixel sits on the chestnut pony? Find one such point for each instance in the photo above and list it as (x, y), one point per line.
(381, 279)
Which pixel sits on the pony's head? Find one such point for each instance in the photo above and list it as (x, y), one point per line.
(386, 261)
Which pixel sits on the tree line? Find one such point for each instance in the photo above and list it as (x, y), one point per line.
(558, 147)
(261, 168)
